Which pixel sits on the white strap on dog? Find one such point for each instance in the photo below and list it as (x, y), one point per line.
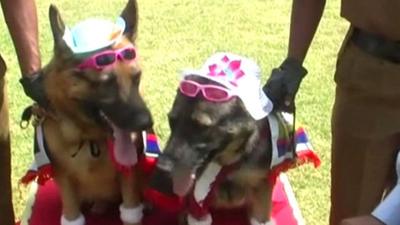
(274, 129)
(78, 221)
(41, 157)
(204, 183)
(254, 221)
(206, 220)
(388, 211)
(131, 215)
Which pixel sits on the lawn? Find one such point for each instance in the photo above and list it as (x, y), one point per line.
(177, 34)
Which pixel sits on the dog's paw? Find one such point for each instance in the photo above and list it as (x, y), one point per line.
(131, 216)
(80, 220)
(254, 221)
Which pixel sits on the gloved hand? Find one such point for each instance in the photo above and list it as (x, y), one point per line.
(284, 83)
(34, 88)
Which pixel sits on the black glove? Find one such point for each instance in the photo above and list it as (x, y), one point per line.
(284, 83)
(34, 88)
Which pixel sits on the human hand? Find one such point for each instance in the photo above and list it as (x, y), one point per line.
(34, 88)
(283, 84)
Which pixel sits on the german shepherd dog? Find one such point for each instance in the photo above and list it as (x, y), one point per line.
(82, 106)
(223, 133)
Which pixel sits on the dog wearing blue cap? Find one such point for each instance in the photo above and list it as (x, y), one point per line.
(89, 137)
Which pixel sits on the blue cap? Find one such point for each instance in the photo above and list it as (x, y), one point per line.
(93, 34)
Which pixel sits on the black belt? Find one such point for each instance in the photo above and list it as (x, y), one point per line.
(377, 45)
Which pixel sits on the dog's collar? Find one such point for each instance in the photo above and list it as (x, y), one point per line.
(41, 169)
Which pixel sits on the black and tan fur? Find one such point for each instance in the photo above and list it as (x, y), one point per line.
(73, 121)
(203, 131)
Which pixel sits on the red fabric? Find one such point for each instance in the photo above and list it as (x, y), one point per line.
(47, 211)
(42, 175)
(303, 157)
(171, 204)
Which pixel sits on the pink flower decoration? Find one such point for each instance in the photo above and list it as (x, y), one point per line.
(229, 69)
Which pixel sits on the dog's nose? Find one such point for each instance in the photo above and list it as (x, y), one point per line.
(162, 182)
(165, 163)
(162, 178)
(144, 121)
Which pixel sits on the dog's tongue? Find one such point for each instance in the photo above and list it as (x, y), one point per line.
(125, 154)
(183, 180)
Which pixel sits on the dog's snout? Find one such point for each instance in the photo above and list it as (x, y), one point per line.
(144, 120)
(165, 163)
(161, 181)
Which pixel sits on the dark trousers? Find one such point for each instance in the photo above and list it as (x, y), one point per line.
(6, 207)
(365, 131)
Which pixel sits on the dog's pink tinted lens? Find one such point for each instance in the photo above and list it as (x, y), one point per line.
(188, 88)
(105, 59)
(215, 94)
(129, 54)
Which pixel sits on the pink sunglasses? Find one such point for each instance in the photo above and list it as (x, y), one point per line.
(107, 58)
(210, 92)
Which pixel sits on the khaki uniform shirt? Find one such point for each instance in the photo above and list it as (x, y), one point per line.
(381, 17)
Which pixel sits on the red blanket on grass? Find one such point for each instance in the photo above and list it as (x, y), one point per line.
(44, 208)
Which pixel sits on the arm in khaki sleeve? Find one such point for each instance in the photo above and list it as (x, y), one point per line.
(305, 18)
(21, 19)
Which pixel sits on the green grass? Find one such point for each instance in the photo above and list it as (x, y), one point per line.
(177, 34)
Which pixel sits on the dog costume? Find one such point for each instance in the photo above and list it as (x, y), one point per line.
(85, 38)
(241, 76)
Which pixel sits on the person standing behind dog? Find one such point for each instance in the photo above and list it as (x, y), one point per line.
(366, 112)
(21, 19)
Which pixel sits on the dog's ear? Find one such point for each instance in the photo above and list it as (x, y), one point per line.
(58, 29)
(130, 15)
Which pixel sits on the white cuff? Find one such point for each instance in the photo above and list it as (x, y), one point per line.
(254, 221)
(131, 215)
(206, 220)
(388, 211)
(78, 221)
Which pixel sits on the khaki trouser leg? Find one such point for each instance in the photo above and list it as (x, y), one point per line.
(365, 132)
(360, 173)
(6, 207)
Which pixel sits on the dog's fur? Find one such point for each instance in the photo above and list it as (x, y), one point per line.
(73, 121)
(203, 131)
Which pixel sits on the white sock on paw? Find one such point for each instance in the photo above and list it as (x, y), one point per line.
(131, 215)
(206, 220)
(254, 221)
(78, 221)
